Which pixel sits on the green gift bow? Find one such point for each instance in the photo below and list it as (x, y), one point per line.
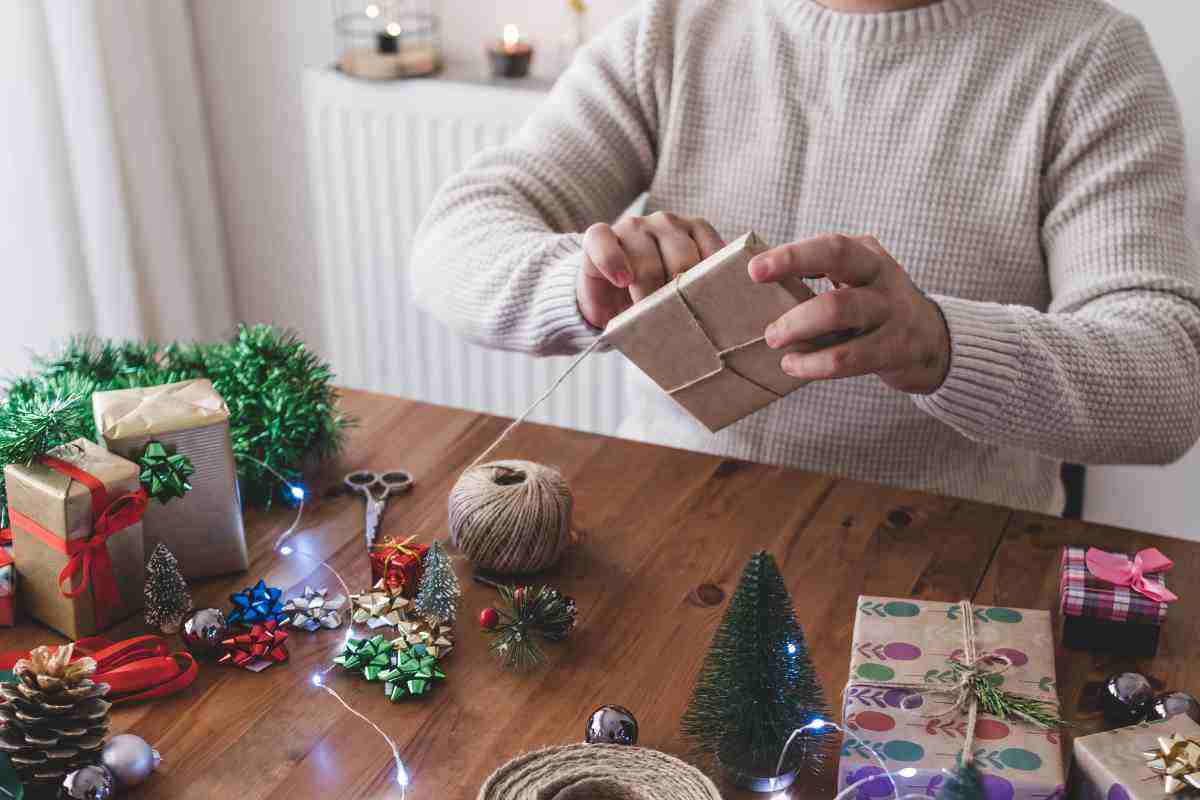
(373, 655)
(164, 474)
(413, 675)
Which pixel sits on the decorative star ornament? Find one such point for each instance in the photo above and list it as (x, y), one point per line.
(379, 607)
(314, 610)
(1177, 760)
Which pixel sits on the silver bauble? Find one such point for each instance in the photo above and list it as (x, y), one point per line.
(203, 632)
(93, 782)
(130, 759)
(611, 725)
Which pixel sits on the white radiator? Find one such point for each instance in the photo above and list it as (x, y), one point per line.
(377, 153)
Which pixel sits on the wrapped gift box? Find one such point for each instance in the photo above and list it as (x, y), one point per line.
(1113, 766)
(204, 527)
(700, 337)
(399, 565)
(53, 518)
(904, 641)
(1101, 616)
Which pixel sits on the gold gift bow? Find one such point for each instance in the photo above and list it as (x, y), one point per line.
(1177, 760)
(973, 667)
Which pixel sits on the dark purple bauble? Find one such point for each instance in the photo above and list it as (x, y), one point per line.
(203, 632)
(1126, 698)
(1172, 703)
(611, 725)
(93, 782)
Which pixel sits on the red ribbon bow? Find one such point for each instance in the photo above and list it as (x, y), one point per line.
(258, 649)
(1120, 571)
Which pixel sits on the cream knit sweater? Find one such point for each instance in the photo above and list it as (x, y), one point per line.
(1023, 159)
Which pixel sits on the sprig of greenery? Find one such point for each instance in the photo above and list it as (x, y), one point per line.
(996, 701)
(527, 613)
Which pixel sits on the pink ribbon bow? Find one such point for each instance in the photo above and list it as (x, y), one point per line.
(1119, 570)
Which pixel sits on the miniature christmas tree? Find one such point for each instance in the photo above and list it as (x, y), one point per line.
(964, 783)
(167, 597)
(757, 684)
(437, 599)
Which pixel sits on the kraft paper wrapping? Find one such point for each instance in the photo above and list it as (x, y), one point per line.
(911, 640)
(203, 528)
(700, 336)
(63, 506)
(1111, 765)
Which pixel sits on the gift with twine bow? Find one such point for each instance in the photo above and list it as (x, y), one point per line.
(398, 564)
(77, 537)
(934, 685)
(1146, 761)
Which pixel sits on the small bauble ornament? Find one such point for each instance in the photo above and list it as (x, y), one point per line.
(1127, 697)
(1172, 703)
(130, 759)
(611, 725)
(204, 631)
(489, 618)
(93, 782)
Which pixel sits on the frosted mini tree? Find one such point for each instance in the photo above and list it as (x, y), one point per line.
(167, 597)
(437, 598)
(757, 684)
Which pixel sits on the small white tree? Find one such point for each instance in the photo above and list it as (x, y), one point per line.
(167, 598)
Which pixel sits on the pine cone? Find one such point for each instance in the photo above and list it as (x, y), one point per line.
(54, 716)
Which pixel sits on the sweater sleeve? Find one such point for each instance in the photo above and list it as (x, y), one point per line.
(1111, 372)
(497, 255)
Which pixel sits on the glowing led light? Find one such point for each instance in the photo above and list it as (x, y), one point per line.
(907, 772)
(372, 11)
(286, 550)
(816, 725)
(401, 775)
(791, 649)
(316, 679)
(512, 35)
(298, 492)
(394, 29)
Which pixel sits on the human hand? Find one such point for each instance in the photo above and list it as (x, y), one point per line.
(623, 263)
(900, 334)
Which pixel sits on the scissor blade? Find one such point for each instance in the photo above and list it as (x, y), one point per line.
(374, 512)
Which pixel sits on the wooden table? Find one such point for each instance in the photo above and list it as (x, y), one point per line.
(663, 536)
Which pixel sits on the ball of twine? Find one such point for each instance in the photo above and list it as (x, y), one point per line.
(597, 772)
(511, 516)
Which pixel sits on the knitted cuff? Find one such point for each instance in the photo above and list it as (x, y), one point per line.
(985, 350)
(561, 325)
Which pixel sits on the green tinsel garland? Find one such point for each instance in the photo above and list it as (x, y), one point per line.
(282, 404)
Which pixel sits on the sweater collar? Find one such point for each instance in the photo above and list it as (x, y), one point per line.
(888, 27)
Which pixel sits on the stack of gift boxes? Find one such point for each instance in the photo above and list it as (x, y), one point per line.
(83, 526)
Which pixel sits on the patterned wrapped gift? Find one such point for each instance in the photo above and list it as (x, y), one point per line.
(1113, 602)
(1120, 764)
(77, 537)
(8, 587)
(900, 701)
(203, 529)
(398, 565)
(700, 337)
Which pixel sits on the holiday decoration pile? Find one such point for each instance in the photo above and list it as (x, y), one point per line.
(525, 614)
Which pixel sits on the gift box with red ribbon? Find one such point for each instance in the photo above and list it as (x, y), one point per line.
(398, 565)
(1114, 602)
(77, 537)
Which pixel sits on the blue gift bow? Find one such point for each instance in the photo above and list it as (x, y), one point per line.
(258, 603)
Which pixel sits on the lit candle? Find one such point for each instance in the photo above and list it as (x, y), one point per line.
(510, 56)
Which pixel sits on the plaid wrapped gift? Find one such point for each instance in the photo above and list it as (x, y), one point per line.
(1100, 615)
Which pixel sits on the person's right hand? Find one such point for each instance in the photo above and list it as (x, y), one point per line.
(623, 263)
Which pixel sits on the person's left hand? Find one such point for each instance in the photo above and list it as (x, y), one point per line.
(900, 334)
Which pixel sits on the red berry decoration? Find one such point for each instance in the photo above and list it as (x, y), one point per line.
(489, 618)
(518, 594)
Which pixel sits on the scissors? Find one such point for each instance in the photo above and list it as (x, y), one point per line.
(377, 489)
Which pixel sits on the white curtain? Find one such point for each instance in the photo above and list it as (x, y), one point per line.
(108, 220)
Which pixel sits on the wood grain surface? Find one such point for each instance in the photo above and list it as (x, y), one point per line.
(661, 538)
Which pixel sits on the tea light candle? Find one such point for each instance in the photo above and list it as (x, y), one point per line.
(510, 56)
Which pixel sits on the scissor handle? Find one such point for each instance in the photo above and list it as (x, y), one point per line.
(387, 483)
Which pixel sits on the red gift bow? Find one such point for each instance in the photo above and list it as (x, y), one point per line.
(89, 558)
(140, 668)
(1120, 571)
(265, 641)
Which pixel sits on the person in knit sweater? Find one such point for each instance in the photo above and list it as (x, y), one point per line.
(990, 193)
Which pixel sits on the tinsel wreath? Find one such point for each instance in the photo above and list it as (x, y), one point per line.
(282, 404)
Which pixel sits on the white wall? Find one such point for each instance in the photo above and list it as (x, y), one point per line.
(252, 54)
